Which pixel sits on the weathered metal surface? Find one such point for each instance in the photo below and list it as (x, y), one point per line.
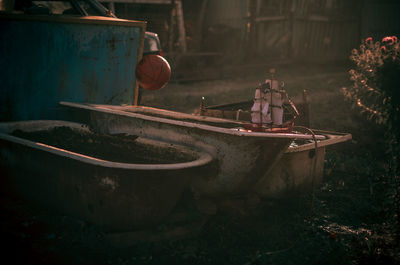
(45, 59)
(241, 157)
(115, 196)
(300, 168)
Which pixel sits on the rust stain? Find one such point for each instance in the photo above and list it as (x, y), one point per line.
(112, 43)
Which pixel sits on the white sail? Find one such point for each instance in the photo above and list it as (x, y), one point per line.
(268, 103)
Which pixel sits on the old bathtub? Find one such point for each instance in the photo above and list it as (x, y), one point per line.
(301, 167)
(114, 195)
(241, 157)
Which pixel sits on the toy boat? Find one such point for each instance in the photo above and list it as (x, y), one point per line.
(301, 166)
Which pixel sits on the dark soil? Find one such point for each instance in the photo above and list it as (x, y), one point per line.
(346, 220)
(116, 148)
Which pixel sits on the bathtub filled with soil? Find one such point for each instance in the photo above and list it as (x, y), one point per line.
(117, 182)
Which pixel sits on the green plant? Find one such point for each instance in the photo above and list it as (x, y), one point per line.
(376, 79)
(376, 86)
(376, 92)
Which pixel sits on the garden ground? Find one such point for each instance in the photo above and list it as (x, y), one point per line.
(344, 221)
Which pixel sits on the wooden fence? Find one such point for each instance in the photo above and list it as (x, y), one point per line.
(305, 29)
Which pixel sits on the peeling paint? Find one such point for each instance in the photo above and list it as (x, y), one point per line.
(109, 182)
(78, 62)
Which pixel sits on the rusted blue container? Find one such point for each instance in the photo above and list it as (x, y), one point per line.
(48, 59)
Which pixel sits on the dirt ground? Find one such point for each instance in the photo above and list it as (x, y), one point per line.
(344, 221)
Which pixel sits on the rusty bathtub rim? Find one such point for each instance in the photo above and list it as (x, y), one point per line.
(104, 109)
(331, 138)
(203, 159)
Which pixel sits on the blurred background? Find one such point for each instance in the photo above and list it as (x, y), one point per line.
(197, 35)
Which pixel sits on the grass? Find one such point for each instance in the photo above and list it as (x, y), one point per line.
(345, 220)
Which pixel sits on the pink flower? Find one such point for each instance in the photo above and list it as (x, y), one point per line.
(388, 40)
(383, 48)
(395, 39)
(368, 40)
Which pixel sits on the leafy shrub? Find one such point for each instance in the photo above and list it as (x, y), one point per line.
(376, 92)
(376, 85)
(376, 79)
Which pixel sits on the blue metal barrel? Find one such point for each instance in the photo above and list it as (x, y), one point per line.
(48, 59)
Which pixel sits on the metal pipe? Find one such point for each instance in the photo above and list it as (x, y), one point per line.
(100, 8)
(75, 4)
